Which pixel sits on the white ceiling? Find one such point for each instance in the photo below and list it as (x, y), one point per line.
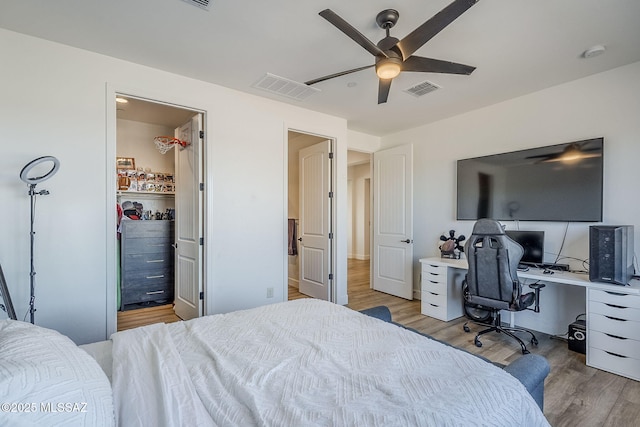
(518, 47)
(152, 112)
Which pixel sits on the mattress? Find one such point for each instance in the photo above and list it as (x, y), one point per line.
(101, 352)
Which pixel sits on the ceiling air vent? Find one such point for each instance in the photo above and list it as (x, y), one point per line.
(203, 4)
(285, 87)
(422, 89)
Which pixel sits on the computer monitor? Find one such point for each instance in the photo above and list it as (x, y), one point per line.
(533, 244)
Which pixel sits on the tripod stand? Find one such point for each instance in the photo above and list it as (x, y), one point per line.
(32, 182)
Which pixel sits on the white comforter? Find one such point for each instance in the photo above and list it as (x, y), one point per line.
(302, 363)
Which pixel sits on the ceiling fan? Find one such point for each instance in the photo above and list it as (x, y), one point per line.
(394, 56)
(573, 152)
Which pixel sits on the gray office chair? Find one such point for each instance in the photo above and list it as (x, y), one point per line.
(491, 282)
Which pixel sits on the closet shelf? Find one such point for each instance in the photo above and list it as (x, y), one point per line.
(146, 194)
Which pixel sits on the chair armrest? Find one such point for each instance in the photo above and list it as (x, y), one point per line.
(536, 287)
(531, 370)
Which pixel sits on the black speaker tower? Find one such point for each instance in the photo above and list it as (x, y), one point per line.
(611, 253)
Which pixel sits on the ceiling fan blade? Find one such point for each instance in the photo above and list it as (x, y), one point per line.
(330, 76)
(383, 90)
(433, 26)
(352, 33)
(544, 156)
(429, 65)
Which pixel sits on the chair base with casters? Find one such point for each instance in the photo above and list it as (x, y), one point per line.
(487, 316)
(497, 327)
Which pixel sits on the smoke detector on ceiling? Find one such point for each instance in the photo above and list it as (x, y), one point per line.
(202, 4)
(422, 89)
(594, 51)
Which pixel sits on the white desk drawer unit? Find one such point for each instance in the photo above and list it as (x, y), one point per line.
(613, 312)
(613, 332)
(440, 296)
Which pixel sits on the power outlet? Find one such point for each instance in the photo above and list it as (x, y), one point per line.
(269, 292)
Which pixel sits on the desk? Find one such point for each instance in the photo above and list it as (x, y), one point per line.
(612, 311)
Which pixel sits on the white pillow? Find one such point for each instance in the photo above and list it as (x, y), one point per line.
(45, 379)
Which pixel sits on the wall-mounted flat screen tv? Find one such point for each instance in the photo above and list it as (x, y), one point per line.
(561, 182)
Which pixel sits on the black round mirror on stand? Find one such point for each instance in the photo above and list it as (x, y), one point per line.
(35, 172)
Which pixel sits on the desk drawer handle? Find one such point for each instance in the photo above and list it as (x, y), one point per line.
(433, 305)
(617, 337)
(615, 306)
(155, 260)
(615, 293)
(616, 318)
(160, 276)
(434, 274)
(433, 282)
(155, 292)
(433, 293)
(615, 354)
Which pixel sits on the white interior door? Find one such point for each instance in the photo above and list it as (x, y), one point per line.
(188, 223)
(393, 221)
(314, 228)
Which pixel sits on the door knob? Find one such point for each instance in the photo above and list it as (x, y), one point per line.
(407, 241)
(299, 239)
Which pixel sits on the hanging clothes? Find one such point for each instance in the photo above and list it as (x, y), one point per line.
(293, 247)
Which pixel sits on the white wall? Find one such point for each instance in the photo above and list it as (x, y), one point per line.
(363, 142)
(359, 176)
(54, 102)
(606, 104)
(135, 139)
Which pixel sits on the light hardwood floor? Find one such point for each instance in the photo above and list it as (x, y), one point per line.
(146, 316)
(575, 394)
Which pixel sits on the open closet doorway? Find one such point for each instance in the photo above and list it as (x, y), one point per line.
(160, 166)
(310, 212)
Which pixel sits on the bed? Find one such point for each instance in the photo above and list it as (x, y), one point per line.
(303, 362)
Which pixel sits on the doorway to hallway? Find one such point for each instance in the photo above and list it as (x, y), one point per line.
(358, 273)
(358, 223)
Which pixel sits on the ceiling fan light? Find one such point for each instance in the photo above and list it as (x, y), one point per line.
(388, 68)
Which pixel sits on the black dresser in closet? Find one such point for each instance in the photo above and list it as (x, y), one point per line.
(146, 262)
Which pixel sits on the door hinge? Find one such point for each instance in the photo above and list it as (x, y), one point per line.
(201, 134)
(201, 295)
(330, 276)
(202, 241)
(331, 155)
(202, 186)
(331, 194)
(330, 235)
